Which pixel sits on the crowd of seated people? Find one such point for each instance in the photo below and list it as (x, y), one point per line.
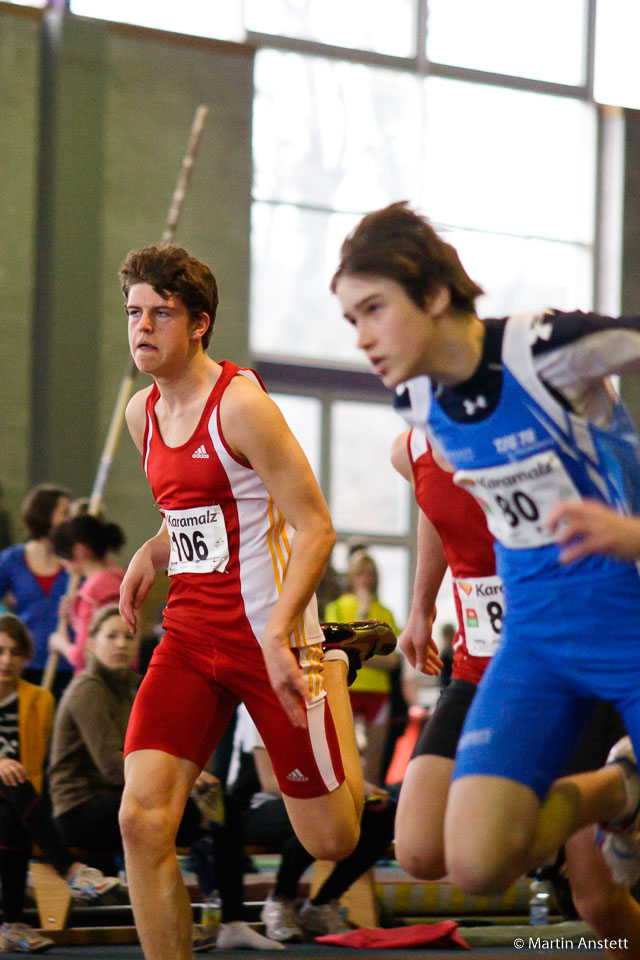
(62, 763)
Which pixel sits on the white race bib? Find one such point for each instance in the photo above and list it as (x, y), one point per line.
(482, 604)
(517, 497)
(198, 540)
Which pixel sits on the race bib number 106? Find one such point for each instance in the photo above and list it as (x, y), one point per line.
(198, 540)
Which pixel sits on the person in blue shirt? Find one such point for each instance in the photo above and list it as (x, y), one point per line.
(33, 580)
(523, 410)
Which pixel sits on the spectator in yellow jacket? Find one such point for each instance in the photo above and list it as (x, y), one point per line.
(26, 719)
(370, 692)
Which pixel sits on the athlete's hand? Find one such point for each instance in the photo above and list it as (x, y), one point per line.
(586, 527)
(12, 772)
(137, 582)
(287, 679)
(418, 645)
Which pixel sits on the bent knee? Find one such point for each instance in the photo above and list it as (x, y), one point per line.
(486, 870)
(337, 845)
(427, 863)
(145, 827)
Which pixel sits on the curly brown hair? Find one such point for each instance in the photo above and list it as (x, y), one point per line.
(171, 270)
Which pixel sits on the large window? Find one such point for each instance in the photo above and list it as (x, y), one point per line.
(482, 114)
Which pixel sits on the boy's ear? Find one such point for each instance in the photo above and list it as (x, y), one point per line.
(201, 325)
(438, 301)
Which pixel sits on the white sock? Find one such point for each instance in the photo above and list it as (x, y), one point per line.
(236, 934)
(336, 655)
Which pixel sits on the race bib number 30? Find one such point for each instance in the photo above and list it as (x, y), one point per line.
(517, 497)
(198, 540)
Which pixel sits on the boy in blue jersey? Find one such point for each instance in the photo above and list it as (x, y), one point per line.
(523, 410)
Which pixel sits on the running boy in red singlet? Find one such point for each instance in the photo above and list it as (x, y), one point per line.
(245, 538)
(452, 531)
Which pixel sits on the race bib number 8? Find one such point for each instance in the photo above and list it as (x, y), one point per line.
(198, 540)
(482, 605)
(517, 497)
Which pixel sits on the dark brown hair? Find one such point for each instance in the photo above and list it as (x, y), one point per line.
(171, 270)
(38, 507)
(399, 244)
(21, 636)
(99, 535)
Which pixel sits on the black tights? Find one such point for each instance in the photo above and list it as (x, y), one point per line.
(25, 819)
(268, 825)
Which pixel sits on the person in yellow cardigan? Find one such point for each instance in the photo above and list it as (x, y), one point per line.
(26, 720)
(370, 692)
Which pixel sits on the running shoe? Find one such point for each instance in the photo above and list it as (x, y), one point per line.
(19, 938)
(87, 883)
(319, 919)
(620, 838)
(280, 921)
(203, 938)
(360, 640)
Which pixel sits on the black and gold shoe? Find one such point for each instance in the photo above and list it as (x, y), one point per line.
(360, 640)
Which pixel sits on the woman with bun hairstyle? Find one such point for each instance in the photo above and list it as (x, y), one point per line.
(83, 543)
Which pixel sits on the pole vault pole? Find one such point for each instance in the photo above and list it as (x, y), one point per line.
(126, 386)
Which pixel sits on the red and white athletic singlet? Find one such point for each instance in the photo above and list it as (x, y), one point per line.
(468, 548)
(230, 544)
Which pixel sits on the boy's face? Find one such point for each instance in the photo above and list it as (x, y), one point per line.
(396, 335)
(161, 333)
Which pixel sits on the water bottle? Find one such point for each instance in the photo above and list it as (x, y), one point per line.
(540, 895)
(210, 914)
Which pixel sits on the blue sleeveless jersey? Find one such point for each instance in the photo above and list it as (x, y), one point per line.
(528, 453)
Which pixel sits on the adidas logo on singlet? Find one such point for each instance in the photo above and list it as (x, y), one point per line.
(297, 776)
(200, 453)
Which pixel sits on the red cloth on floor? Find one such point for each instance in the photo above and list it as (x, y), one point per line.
(442, 934)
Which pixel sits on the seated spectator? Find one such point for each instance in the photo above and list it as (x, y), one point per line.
(86, 768)
(32, 579)
(83, 543)
(26, 717)
(265, 823)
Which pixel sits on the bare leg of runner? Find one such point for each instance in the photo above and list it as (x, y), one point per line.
(608, 908)
(518, 833)
(329, 826)
(420, 816)
(155, 794)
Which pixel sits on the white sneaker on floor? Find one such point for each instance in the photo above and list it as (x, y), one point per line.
(620, 838)
(280, 920)
(20, 938)
(319, 919)
(87, 883)
(238, 935)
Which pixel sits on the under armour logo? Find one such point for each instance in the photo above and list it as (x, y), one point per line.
(540, 329)
(471, 406)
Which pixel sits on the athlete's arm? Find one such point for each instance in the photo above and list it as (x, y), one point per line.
(575, 348)
(152, 555)
(416, 641)
(255, 430)
(586, 527)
